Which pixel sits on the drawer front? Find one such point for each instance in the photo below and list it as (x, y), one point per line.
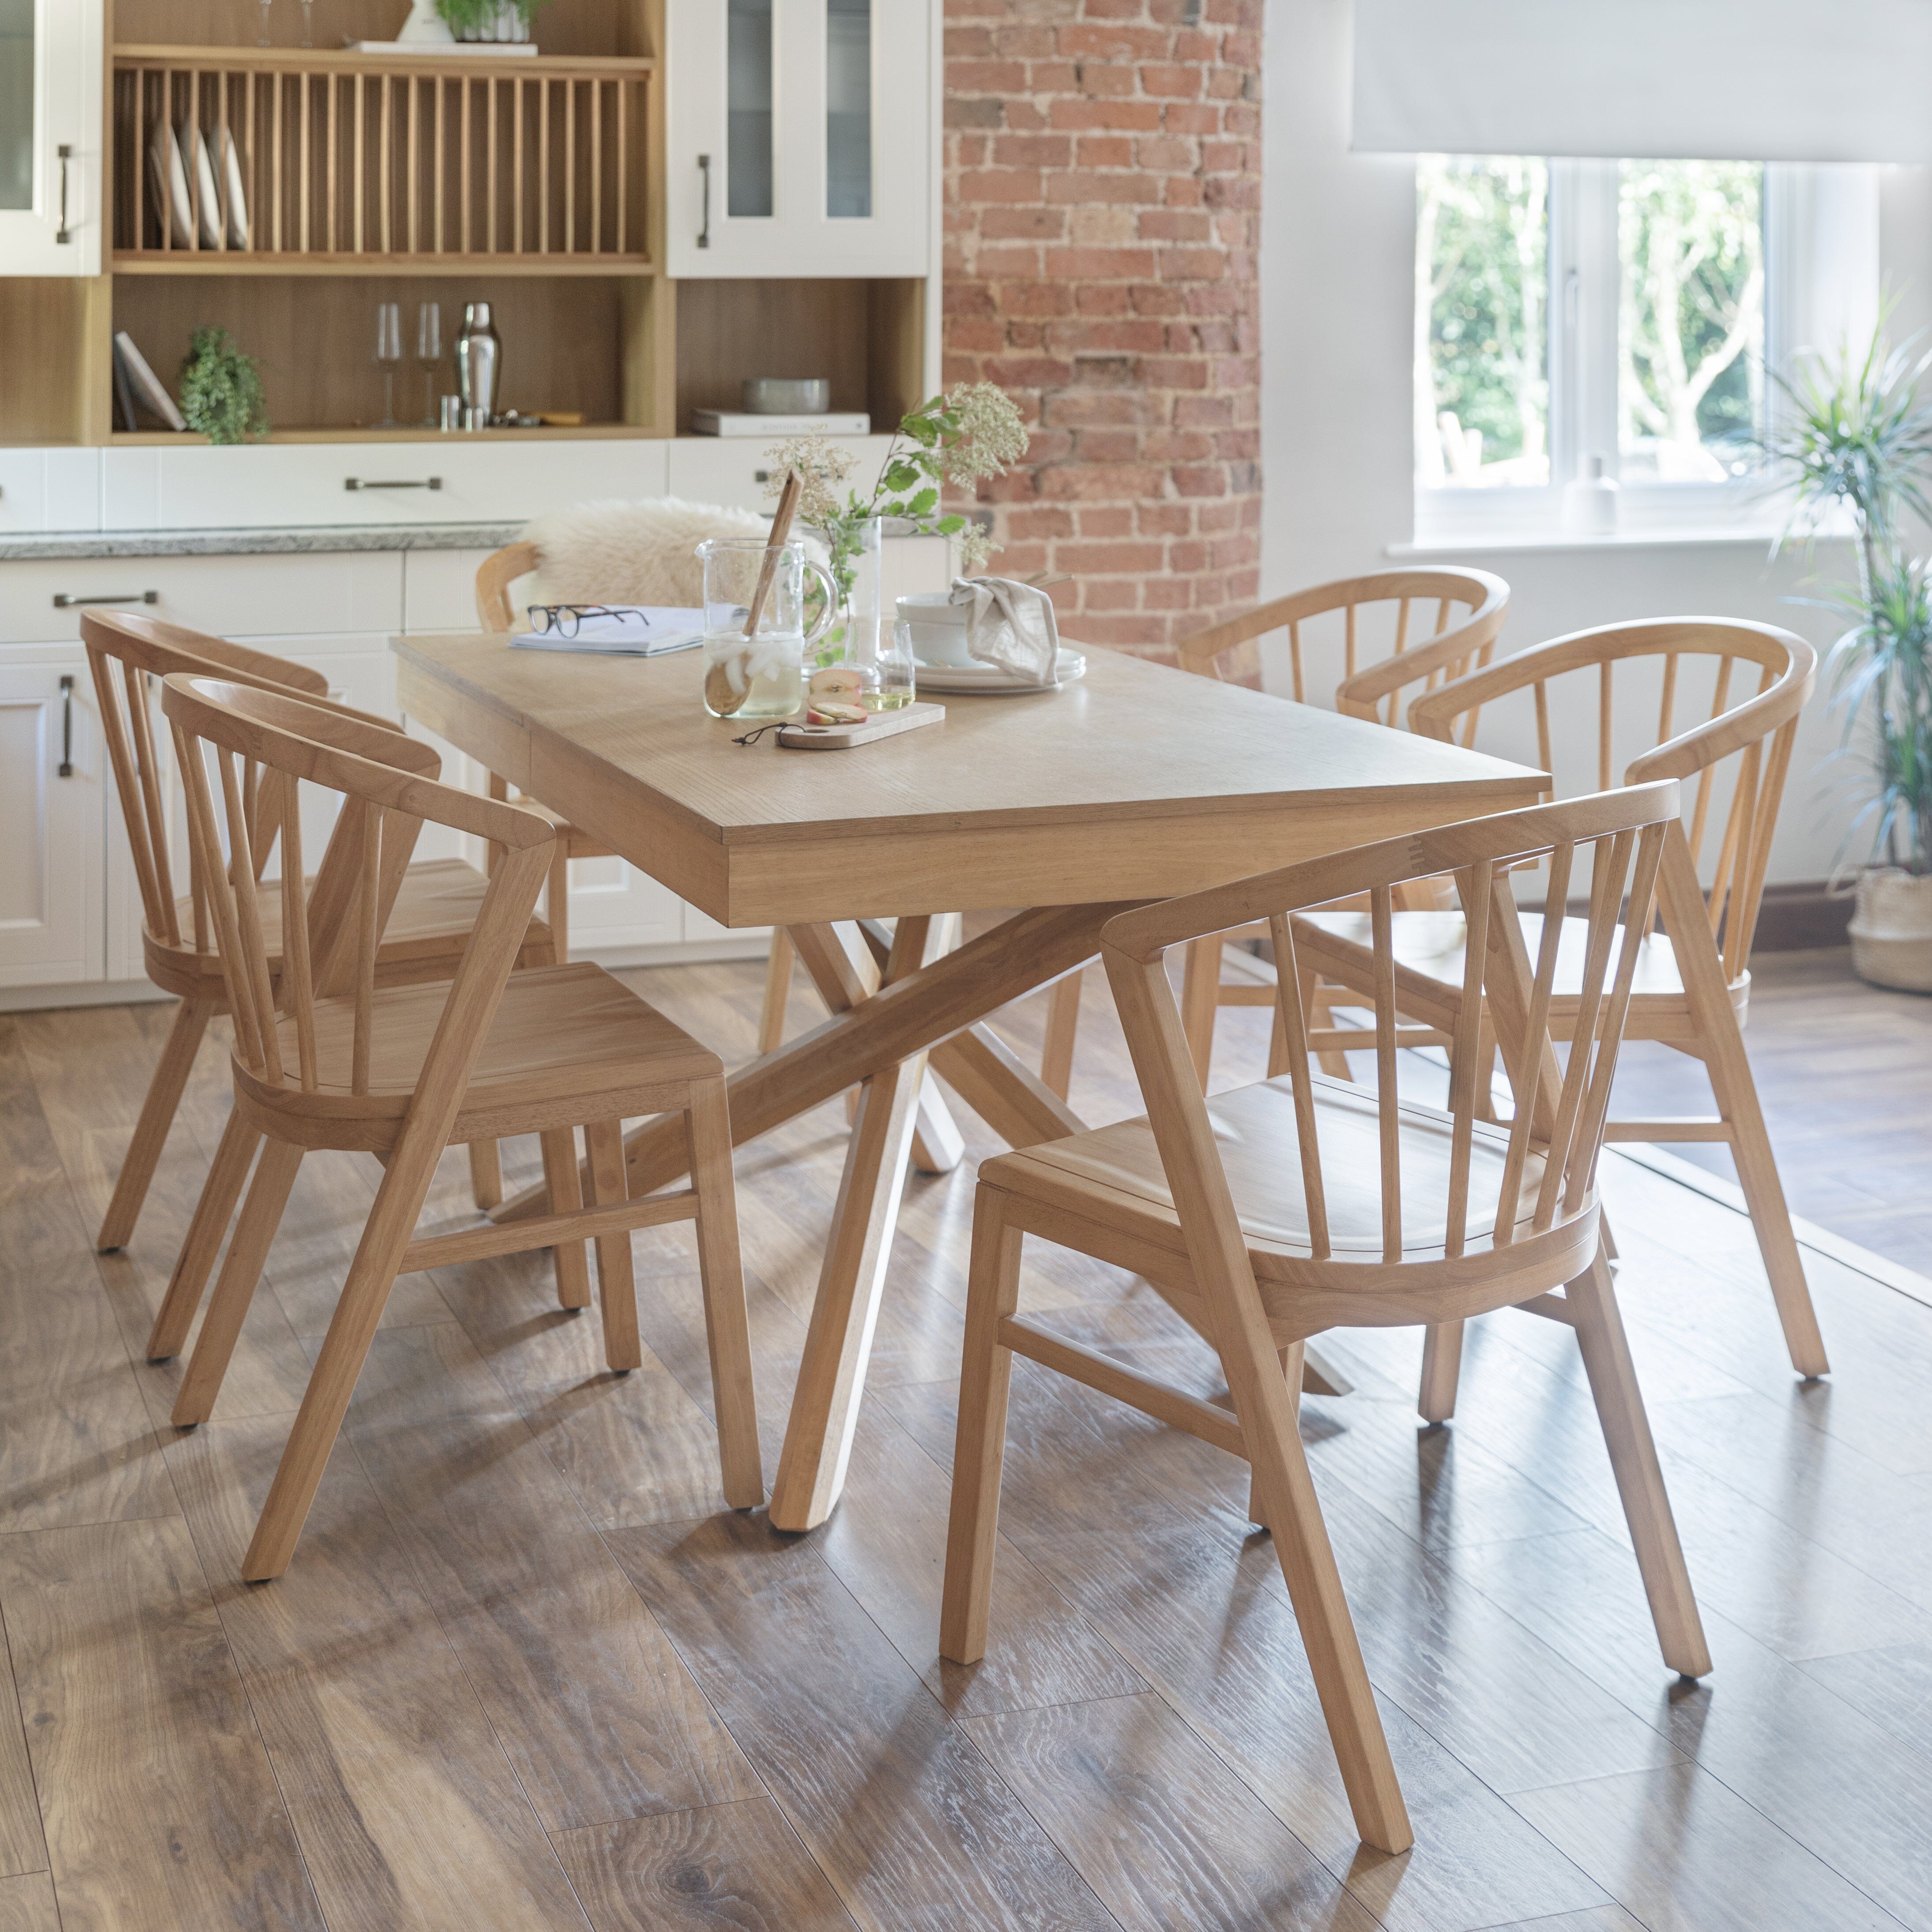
(282, 484)
(231, 596)
(731, 469)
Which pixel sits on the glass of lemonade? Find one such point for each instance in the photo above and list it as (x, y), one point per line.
(758, 672)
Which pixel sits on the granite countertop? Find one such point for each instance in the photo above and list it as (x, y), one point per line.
(308, 538)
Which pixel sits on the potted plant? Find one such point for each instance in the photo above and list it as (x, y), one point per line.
(1854, 439)
(971, 432)
(221, 389)
(489, 20)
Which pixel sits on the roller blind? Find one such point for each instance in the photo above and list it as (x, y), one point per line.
(1788, 80)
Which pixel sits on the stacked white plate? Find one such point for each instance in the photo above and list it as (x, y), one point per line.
(981, 680)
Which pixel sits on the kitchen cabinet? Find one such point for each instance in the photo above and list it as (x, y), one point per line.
(51, 156)
(51, 877)
(800, 137)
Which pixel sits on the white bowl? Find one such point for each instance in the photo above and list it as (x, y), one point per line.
(938, 627)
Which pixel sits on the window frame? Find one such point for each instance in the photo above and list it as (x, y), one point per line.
(1821, 236)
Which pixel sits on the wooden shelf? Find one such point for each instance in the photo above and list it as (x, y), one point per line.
(589, 433)
(318, 60)
(238, 262)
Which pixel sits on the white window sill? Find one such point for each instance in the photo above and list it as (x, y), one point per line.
(1675, 536)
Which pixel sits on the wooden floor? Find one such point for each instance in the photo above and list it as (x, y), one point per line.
(524, 1673)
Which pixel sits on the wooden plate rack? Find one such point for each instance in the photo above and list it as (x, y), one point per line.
(427, 163)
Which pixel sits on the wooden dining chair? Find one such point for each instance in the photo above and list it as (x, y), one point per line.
(433, 905)
(1275, 1212)
(328, 1057)
(1378, 615)
(1693, 986)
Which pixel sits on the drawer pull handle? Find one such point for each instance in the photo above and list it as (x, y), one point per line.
(67, 728)
(704, 168)
(64, 232)
(373, 483)
(62, 601)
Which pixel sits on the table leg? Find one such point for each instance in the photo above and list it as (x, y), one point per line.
(942, 1000)
(844, 1312)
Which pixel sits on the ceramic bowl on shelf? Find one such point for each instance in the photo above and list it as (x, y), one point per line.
(787, 395)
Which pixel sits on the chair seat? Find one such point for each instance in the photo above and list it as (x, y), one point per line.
(435, 911)
(567, 1043)
(1428, 950)
(1112, 1177)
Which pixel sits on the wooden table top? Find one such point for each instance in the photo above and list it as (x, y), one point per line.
(1137, 782)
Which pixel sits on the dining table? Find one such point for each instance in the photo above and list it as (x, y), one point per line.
(1052, 810)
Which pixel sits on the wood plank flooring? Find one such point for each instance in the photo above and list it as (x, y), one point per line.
(526, 1671)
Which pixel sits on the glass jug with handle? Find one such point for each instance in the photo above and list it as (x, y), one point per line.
(758, 672)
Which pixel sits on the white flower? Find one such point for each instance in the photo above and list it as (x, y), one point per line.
(822, 466)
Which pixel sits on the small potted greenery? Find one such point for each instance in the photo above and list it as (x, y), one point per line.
(1853, 440)
(489, 20)
(221, 390)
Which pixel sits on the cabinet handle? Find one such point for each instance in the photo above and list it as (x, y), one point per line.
(62, 601)
(67, 728)
(375, 483)
(704, 168)
(64, 232)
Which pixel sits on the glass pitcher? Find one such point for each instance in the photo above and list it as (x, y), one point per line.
(760, 675)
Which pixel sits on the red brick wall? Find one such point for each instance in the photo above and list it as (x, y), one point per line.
(1103, 212)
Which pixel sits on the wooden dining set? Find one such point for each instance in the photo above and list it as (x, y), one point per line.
(1424, 1147)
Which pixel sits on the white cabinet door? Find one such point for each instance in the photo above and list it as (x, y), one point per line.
(51, 888)
(52, 174)
(800, 137)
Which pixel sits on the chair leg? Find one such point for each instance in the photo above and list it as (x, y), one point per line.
(219, 1193)
(617, 1279)
(1294, 1370)
(228, 1306)
(777, 991)
(727, 1328)
(1317, 1011)
(1200, 1000)
(1063, 1026)
(486, 1175)
(1442, 1368)
(1293, 1513)
(557, 904)
(1736, 1094)
(992, 1294)
(566, 1196)
(151, 1130)
(1613, 1385)
(365, 1293)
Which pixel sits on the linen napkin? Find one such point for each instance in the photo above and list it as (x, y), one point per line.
(1011, 625)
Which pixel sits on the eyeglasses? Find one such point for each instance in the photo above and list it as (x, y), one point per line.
(564, 618)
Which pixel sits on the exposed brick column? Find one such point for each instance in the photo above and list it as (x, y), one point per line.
(1103, 212)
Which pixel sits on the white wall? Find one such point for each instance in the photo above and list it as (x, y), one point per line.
(1337, 243)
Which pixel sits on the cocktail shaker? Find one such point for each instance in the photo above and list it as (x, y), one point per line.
(479, 354)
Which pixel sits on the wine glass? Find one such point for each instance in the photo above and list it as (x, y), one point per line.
(429, 355)
(262, 39)
(308, 22)
(389, 353)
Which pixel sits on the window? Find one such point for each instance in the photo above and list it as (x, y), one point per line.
(1627, 310)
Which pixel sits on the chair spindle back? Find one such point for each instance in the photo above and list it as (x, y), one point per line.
(331, 929)
(1469, 608)
(1751, 730)
(1563, 1123)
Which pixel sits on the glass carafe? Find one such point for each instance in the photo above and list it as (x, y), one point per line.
(761, 673)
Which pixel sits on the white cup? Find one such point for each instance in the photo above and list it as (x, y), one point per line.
(938, 627)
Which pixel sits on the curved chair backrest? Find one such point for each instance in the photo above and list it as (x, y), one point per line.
(1467, 638)
(149, 647)
(330, 930)
(494, 575)
(1757, 729)
(1620, 832)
